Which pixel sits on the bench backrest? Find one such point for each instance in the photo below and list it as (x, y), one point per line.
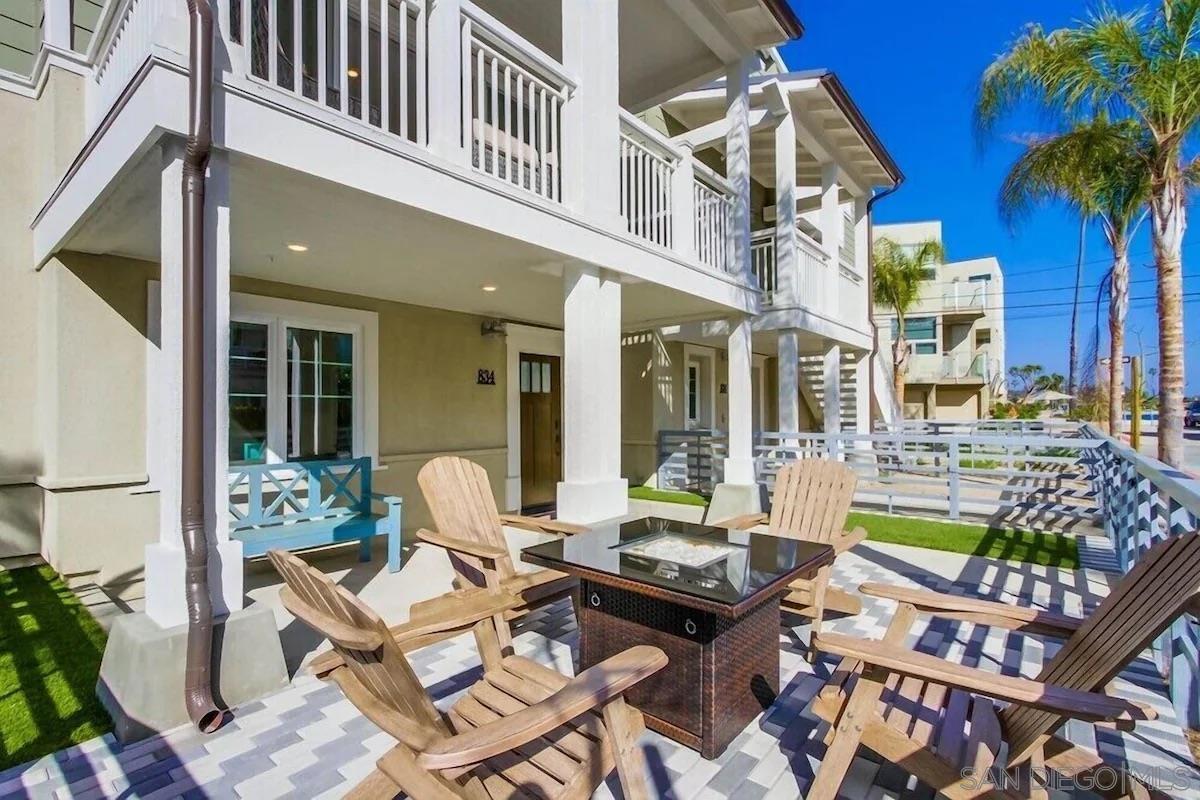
(273, 494)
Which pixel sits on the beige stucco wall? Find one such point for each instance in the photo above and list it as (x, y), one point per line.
(956, 403)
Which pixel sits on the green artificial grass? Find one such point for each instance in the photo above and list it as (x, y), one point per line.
(1043, 549)
(666, 496)
(50, 650)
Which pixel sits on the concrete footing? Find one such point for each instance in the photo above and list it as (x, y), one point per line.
(141, 676)
(735, 499)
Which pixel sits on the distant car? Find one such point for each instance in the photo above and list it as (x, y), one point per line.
(1191, 418)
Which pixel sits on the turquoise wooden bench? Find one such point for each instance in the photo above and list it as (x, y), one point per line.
(297, 505)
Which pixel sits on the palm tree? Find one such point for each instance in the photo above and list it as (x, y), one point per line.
(1100, 168)
(899, 272)
(1143, 66)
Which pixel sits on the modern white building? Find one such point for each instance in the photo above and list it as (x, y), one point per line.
(534, 235)
(955, 333)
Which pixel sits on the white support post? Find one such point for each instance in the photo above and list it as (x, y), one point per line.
(831, 232)
(444, 108)
(592, 488)
(164, 560)
(787, 257)
(789, 381)
(56, 24)
(739, 466)
(591, 121)
(832, 374)
(737, 160)
(862, 395)
(683, 198)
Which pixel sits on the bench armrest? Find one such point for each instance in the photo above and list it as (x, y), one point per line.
(592, 688)
(387, 499)
(463, 546)
(978, 610)
(1089, 706)
(538, 525)
(744, 522)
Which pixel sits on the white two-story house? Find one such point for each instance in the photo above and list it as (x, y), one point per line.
(430, 227)
(955, 331)
(815, 165)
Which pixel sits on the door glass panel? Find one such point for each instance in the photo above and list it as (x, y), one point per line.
(247, 393)
(546, 377)
(525, 376)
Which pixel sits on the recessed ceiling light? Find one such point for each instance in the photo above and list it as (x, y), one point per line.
(298, 248)
(487, 287)
(352, 72)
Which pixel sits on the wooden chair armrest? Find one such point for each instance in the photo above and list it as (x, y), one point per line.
(592, 688)
(341, 634)
(849, 540)
(455, 611)
(1088, 706)
(387, 499)
(744, 522)
(464, 546)
(541, 525)
(979, 610)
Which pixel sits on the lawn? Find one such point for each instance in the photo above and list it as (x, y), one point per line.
(1043, 549)
(50, 650)
(976, 540)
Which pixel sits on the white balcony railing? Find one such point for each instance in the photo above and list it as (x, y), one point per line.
(514, 94)
(714, 219)
(121, 44)
(935, 367)
(763, 264)
(318, 56)
(818, 290)
(852, 298)
(648, 164)
(965, 296)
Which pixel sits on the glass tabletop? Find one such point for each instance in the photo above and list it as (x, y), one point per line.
(715, 564)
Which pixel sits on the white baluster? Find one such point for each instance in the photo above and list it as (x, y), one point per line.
(495, 170)
(385, 46)
(297, 47)
(402, 24)
(364, 60)
(343, 54)
(272, 43)
(322, 53)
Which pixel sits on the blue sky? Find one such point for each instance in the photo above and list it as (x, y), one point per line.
(912, 67)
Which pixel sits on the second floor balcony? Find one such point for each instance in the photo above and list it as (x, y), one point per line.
(955, 368)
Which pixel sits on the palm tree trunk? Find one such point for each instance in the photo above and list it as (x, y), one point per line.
(1170, 222)
(899, 367)
(1118, 307)
(1073, 346)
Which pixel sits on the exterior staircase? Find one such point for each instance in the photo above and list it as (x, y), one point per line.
(812, 389)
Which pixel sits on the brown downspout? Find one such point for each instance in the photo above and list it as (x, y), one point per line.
(872, 402)
(198, 672)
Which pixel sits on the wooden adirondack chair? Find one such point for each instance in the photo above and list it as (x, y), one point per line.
(913, 708)
(811, 502)
(523, 730)
(468, 526)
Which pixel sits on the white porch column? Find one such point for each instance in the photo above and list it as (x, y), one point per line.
(683, 199)
(831, 233)
(787, 258)
(591, 122)
(789, 381)
(832, 405)
(737, 160)
(164, 560)
(56, 24)
(592, 488)
(739, 465)
(445, 81)
(862, 394)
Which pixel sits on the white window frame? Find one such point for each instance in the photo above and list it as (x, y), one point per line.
(279, 315)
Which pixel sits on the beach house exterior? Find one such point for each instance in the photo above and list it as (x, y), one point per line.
(432, 226)
(955, 333)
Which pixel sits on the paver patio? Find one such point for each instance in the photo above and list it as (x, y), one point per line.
(308, 741)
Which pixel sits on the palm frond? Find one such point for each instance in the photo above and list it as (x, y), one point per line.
(899, 271)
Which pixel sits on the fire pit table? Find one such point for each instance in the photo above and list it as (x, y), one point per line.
(709, 597)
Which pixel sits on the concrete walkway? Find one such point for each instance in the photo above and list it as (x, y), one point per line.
(308, 741)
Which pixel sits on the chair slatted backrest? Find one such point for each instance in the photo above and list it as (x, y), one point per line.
(383, 671)
(812, 499)
(1141, 606)
(459, 496)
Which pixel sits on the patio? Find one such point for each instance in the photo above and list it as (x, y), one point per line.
(309, 741)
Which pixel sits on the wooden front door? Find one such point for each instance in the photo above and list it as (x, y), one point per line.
(541, 429)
